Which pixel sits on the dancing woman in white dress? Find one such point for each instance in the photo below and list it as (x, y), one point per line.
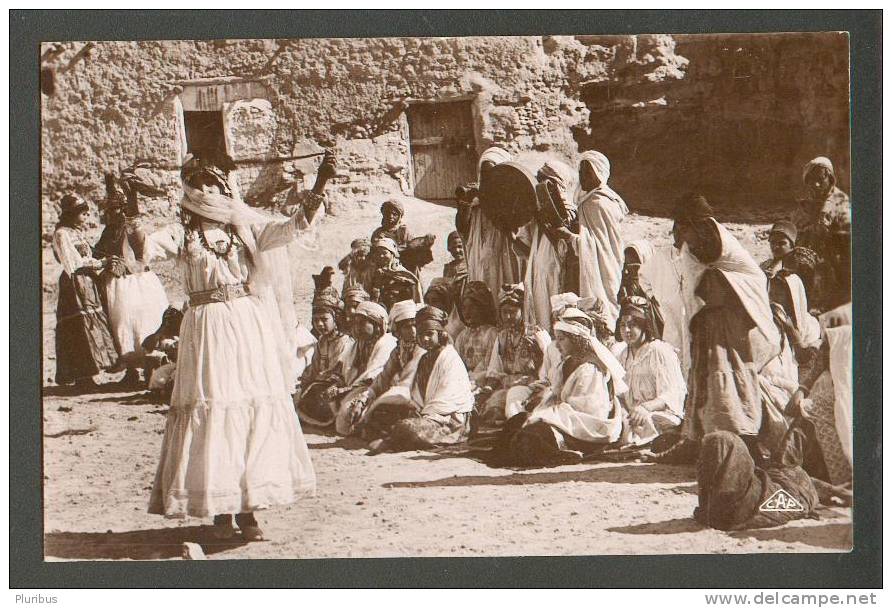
(233, 443)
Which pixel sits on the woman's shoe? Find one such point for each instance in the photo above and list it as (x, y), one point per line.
(223, 528)
(247, 523)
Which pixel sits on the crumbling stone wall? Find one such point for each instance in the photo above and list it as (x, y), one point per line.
(663, 108)
(732, 116)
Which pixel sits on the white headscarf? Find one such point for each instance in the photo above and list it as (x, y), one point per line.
(643, 248)
(402, 311)
(601, 166)
(572, 321)
(821, 161)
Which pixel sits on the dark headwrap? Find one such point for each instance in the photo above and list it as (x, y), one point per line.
(430, 317)
(479, 295)
(70, 207)
(439, 294)
(691, 208)
(454, 238)
(511, 294)
(638, 307)
(786, 228)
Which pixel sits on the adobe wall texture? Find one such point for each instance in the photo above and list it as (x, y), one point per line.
(734, 117)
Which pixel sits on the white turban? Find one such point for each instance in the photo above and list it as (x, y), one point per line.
(494, 155)
(561, 301)
(599, 163)
(402, 311)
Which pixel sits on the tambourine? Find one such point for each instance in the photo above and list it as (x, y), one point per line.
(508, 195)
(550, 209)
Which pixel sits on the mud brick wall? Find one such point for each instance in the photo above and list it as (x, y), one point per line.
(663, 108)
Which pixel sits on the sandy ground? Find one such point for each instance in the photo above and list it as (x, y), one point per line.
(100, 452)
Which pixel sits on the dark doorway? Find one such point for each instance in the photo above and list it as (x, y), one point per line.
(442, 145)
(204, 134)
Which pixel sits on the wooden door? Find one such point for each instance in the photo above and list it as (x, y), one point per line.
(442, 147)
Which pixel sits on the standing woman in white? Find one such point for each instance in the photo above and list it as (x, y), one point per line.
(233, 443)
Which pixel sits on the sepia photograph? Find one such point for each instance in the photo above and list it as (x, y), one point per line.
(459, 296)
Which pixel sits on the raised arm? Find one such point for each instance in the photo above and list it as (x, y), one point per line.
(165, 243)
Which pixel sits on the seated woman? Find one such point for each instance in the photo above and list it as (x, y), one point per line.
(553, 357)
(479, 316)
(654, 402)
(324, 373)
(364, 359)
(392, 282)
(440, 401)
(578, 412)
(395, 379)
(516, 356)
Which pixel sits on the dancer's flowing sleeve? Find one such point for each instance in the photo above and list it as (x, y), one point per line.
(279, 233)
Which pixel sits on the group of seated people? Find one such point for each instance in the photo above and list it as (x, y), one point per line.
(464, 364)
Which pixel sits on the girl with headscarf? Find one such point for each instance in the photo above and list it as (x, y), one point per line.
(395, 379)
(493, 256)
(547, 268)
(479, 317)
(654, 403)
(440, 401)
(579, 411)
(516, 356)
(824, 222)
(362, 361)
(84, 345)
(134, 296)
(599, 245)
(324, 374)
(732, 329)
(413, 253)
(232, 442)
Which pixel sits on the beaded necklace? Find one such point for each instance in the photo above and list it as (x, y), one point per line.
(219, 249)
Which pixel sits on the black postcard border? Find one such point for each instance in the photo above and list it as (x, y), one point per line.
(860, 568)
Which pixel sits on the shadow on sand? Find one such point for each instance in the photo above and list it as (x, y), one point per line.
(836, 536)
(669, 526)
(161, 543)
(649, 473)
(343, 443)
(78, 391)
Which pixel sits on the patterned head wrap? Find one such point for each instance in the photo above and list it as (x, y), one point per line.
(786, 228)
(356, 294)
(561, 173)
(394, 204)
(375, 312)
(326, 300)
(575, 322)
(511, 294)
(431, 317)
(386, 243)
(821, 161)
(478, 294)
(692, 207)
(402, 311)
(637, 307)
(803, 257)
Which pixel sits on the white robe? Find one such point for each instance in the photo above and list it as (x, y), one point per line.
(581, 406)
(599, 246)
(543, 277)
(448, 389)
